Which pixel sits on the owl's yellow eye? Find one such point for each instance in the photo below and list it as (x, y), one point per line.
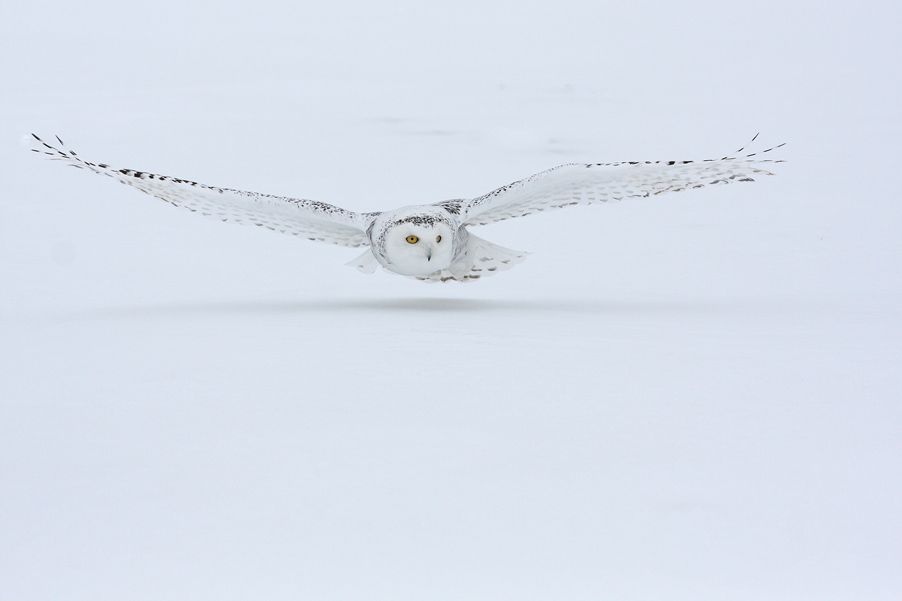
(438, 238)
(413, 239)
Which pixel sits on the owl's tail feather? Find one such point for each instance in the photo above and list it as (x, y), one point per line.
(483, 259)
(365, 263)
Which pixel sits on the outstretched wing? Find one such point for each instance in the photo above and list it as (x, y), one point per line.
(581, 184)
(304, 218)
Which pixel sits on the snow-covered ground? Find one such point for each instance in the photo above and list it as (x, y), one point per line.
(696, 396)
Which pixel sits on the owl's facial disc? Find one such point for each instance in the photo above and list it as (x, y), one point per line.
(414, 249)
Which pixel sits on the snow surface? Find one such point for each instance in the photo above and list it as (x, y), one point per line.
(694, 397)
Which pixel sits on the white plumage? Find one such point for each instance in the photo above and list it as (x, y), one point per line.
(431, 242)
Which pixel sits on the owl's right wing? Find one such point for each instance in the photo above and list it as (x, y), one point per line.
(584, 184)
(309, 219)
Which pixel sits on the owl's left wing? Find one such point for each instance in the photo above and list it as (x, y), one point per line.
(309, 219)
(582, 184)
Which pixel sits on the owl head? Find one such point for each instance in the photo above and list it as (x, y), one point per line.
(414, 241)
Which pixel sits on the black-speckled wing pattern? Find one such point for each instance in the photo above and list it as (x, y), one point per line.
(303, 218)
(594, 183)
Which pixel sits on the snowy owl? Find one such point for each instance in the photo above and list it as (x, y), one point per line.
(431, 242)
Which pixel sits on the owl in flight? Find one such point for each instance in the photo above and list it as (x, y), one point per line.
(431, 242)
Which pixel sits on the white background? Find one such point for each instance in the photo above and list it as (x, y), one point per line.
(695, 396)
